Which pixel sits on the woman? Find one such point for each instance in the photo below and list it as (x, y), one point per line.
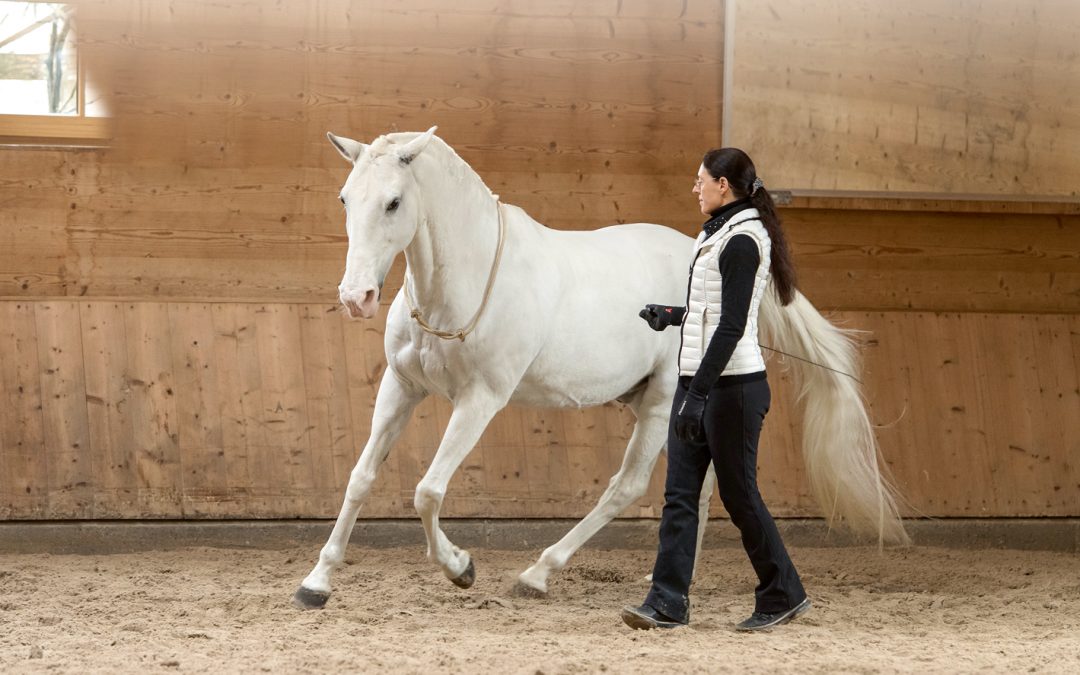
(723, 396)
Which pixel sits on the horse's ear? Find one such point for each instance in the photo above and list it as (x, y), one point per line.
(349, 149)
(410, 150)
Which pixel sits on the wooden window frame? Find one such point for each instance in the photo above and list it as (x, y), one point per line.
(75, 130)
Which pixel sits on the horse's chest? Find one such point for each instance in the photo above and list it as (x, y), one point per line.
(427, 365)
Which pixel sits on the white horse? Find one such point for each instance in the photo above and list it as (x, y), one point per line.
(498, 309)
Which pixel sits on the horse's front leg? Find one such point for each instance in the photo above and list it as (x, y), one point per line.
(471, 415)
(393, 406)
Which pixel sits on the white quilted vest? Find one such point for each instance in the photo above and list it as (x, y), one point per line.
(703, 302)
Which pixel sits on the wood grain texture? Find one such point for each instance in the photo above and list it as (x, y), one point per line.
(220, 183)
(67, 463)
(170, 341)
(933, 261)
(945, 98)
(161, 410)
(25, 488)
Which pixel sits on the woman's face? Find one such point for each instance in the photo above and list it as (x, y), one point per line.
(712, 192)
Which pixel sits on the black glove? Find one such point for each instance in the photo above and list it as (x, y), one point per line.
(689, 426)
(660, 317)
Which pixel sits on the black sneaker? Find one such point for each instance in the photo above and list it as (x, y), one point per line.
(762, 620)
(645, 618)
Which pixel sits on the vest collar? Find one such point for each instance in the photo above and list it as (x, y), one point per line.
(733, 219)
(723, 215)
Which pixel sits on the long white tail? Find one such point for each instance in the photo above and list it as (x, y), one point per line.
(839, 446)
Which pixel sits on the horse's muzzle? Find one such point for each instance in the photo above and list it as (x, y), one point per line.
(362, 303)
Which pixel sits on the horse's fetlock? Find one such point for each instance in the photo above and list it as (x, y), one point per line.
(331, 554)
(554, 560)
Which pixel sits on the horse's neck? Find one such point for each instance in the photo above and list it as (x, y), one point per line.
(450, 257)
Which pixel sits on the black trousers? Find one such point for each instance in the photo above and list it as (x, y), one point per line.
(734, 414)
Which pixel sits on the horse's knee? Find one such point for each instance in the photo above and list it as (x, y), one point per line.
(427, 499)
(360, 481)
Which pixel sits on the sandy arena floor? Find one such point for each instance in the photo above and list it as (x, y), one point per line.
(215, 610)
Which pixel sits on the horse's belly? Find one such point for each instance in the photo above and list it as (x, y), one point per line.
(578, 378)
(549, 395)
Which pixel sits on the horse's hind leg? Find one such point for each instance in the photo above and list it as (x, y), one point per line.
(630, 483)
(707, 489)
(472, 413)
(393, 407)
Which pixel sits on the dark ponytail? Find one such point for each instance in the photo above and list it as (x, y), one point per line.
(736, 166)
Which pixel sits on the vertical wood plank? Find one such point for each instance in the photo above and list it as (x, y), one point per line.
(318, 369)
(586, 436)
(236, 424)
(23, 459)
(890, 398)
(782, 470)
(261, 473)
(942, 448)
(112, 438)
(201, 440)
(63, 392)
(284, 407)
(503, 456)
(326, 384)
(152, 401)
(1026, 399)
(1058, 426)
(546, 461)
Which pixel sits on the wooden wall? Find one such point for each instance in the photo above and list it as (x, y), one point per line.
(175, 409)
(169, 340)
(974, 97)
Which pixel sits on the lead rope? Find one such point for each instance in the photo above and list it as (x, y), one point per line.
(813, 363)
(460, 333)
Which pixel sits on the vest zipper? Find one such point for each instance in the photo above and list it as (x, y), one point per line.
(686, 315)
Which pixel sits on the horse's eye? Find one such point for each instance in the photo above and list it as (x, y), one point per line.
(342, 199)
(392, 206)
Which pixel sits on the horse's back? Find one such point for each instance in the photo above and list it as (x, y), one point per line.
(640, 235)
(637, 260)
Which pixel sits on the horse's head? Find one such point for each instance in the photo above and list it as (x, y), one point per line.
(382, 213)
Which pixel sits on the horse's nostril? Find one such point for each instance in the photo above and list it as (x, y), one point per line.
(369, 297)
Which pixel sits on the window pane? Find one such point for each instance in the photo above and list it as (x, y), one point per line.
(38, 71)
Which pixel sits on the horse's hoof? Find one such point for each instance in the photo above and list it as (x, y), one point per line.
(305, 598)
(524, 590)
(467, 578)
